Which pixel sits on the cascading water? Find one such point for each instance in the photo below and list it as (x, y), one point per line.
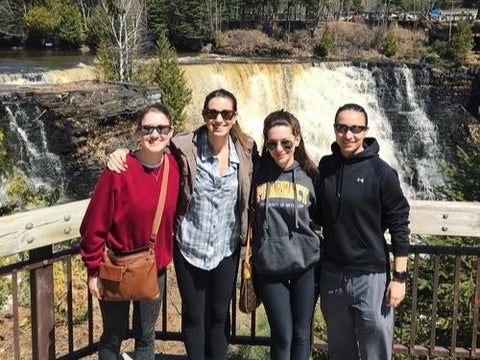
(421, 140)
(313, 92)
(43, 169)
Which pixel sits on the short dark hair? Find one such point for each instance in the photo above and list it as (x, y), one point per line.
(155, 107)
(354, 107)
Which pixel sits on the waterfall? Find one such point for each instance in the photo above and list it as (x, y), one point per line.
(47, 76)
(314, 92)
(420, 139)
(43, 169)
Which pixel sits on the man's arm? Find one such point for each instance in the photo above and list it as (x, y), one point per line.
(397, 287)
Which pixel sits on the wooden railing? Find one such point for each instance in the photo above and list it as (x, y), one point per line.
(39, 232)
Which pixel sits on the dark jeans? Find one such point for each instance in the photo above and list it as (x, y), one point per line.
(289, 303)
(205, 305)
(115, 316)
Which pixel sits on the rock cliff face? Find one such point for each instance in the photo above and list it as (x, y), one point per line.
(81, 123)
(450, 99)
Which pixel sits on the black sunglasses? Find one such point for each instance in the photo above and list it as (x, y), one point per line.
(355, 129)
(212, 114)
(161, 129)
(287, 145)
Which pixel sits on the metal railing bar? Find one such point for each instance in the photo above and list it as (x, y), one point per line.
(476, 304)
(456, 286)
(16, 331)
(418, 252)
(413, 315)
(90, 318)
(433, 322)
(444, 250)
(69, 303)
(33, 264)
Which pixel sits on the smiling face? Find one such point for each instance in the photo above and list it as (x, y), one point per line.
(281, 144)
(219, 116)
(155, 133)
(350, 143)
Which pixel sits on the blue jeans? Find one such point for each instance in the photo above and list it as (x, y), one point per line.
(289, 303)
(359, 324)
(206, 298)
(115, 316)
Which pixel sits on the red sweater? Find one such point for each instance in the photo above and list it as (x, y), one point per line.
(121, 212)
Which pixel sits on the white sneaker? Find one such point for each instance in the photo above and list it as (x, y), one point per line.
(125, 356)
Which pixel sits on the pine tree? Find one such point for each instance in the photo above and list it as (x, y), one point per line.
(163, 71)
(462, 42)
(390, 45)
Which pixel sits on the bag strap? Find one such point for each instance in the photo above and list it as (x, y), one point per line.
(251, 216)
(161, 201)
(249, 236)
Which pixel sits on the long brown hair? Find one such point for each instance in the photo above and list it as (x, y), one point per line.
(285, 118)
(236, 132)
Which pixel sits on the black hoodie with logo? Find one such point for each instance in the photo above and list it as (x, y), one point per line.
(360, 198)
(285, 241)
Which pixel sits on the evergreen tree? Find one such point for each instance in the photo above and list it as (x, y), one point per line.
(185, 22)
(12, 26)
(71, 30)
(163, 71)
(105, 63)
(390, 45)
(463, 182)
(462, 42)
(325, 45)
(42, 24)
(189, 26)
(158, 14)
(59, 22)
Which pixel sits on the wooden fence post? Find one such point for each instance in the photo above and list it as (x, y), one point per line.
(42, 306)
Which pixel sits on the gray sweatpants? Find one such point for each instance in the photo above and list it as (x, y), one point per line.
(359, 324)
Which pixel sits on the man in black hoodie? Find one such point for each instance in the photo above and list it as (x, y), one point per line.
(359, 198)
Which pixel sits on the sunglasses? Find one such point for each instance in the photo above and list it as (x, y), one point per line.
(287, 145)
(355, 129)
(211, 114)
(161, 129)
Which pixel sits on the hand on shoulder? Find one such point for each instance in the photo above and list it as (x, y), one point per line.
(117, 160)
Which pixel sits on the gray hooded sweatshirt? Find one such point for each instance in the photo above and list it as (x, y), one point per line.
(284, 241)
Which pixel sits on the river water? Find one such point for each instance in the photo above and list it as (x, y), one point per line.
(17, 61)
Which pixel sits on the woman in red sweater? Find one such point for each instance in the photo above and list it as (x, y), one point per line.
(120, 216)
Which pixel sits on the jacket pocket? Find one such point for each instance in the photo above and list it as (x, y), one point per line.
(284, 254)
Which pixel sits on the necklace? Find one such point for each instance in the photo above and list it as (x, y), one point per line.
(153, 169)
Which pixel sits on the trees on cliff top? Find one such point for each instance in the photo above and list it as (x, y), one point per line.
(120, 27)
(189, 23)
(121, 30)
(56, 22)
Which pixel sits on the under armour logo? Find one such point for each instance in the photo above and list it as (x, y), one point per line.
(360, 180)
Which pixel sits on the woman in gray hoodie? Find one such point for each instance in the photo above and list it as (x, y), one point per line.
(285, 245)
